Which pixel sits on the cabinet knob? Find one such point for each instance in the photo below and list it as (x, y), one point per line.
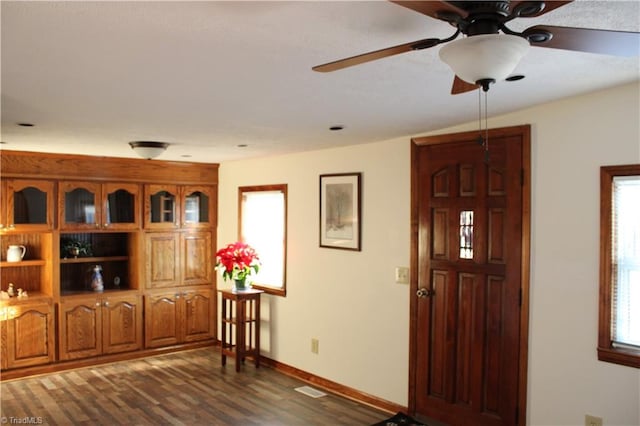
(98, 304)
(177, 295)
(106, 225)
(97, 225)
(106, 304)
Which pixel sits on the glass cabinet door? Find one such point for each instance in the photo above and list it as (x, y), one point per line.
(121, 206)
(29, 204)
(197, 211)
(161, 207)
(78, 206)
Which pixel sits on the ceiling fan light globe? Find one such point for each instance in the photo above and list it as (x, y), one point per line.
(486, 56)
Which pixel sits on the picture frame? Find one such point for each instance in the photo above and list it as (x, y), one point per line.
(340, 211)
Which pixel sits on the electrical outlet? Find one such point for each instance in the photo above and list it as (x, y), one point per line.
(315, 346)
(402, 275)
(592, 420)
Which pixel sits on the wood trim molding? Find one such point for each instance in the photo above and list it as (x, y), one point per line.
(39, 165)
(334, 387)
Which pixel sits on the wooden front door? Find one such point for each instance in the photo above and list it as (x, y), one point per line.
(469, 272)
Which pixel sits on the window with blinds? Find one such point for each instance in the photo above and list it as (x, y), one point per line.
(625, 292)
(619, 319)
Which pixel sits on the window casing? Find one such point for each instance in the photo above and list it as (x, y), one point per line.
(619, 319)
(262, 223)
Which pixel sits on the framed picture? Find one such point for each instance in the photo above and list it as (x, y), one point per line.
(340, 211)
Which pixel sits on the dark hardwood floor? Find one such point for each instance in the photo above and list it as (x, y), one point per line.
(184, 388)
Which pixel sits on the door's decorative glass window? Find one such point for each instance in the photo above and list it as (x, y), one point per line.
(466, 234)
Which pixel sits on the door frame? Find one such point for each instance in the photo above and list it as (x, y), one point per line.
(524, 132)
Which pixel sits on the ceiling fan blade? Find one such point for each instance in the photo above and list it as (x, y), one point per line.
(378, 54)
(431, 8)
(461, 86)
(605, 42)
(548, 6)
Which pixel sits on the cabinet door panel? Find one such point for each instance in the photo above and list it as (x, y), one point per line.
(198, 315)
(122, 324)
(78, 205)
(30, 337)
(121, 203)
(29, 204)
(162, 320)
(80, 329)
(196, 258)
(198, 206)
(162, 260)
(161, 210)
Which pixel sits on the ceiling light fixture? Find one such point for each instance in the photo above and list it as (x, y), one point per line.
(482, 60)
(148, 149)
(486, 58)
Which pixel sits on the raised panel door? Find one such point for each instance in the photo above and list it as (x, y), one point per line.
(469, 213)
(121, 323)
(80, 328)
(198, 315)
(30, 336)
(196, 258)
(163, 325)
(162, 259)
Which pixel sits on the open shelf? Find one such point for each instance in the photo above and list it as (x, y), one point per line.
(34, 262)
(94, 259)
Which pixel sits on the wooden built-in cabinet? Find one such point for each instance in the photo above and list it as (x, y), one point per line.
(27, 333)
(178, 317)
(102, 324)
(150, 227)
(27, 328)
(94, 206)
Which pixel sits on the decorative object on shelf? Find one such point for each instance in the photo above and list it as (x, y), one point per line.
(148, 149)
(75, 248)
(11, 291)
(237, 261)
(22, 294)
(340, 211)
(16, 253)
(97, 283)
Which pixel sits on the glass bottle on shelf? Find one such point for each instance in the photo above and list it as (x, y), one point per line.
(97, 283)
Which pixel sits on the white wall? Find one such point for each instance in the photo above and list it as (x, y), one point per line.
(349, 301)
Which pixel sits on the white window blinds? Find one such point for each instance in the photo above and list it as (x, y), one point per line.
(625, 312)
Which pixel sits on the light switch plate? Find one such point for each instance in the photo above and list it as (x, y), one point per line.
(402, 275)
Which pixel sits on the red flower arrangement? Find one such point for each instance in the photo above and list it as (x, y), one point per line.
(237, 260)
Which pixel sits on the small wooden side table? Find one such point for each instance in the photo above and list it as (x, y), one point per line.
(240, 313)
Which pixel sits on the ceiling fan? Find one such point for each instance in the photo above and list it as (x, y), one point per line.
(489, 44)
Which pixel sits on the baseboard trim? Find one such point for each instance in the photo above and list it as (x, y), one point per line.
(333, 387)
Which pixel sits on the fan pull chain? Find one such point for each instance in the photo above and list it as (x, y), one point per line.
(484, 141)
(486, 127)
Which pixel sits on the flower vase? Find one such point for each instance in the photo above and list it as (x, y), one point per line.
(241, 284)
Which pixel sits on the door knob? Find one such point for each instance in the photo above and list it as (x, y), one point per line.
(424, 292)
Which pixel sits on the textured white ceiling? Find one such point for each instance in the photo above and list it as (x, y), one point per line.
(208, 76)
